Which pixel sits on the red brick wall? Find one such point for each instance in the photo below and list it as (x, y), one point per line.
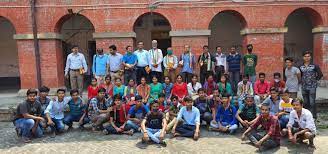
(120, 43)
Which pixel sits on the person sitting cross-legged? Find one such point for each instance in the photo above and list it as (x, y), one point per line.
(301, 124)
(248, 112)
(270, 137)
(188, 121)
(118, 118)
(171, 115)
(285, 107)
(136, 114)
(154, 124)
(203, 105)
(226, 117)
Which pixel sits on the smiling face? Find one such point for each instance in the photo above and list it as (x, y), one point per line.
(60, 95)
(179, 79)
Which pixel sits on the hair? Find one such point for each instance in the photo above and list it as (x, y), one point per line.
(74, 46)
(307, 52)
(31, 91)
(113, 47)
(138, 97)
(205, 46)
(174, 97)
(140, 42)
(233, 46)
(131, 79)
(225, 95)
(101, 90)
(161, 95)
(297, 100)
(261, 74)
(194, 75)
(210, 74)
(167, 77)
(108, 76)
(245, 76)
(265, 105)
(73, 91)
(44, 89)
(290, 59)
(93, 79)
(274, 89)
(249, 45)
(127, 47)
(154, 76)
(277, 74)
(117, 97)
(218, 47)
(61, 89)
(143, 78)
(200, 89)
(286, 91)
(118, 79)
(179, 76)
(152, 103)
(187, 99)
(100, 49)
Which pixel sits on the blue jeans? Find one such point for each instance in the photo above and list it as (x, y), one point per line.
(154, 134)
(69, 119)
(309, 96)
(234, 79)
(111, 130)
(25, 127)
(232, 129)
(283, 120)
(186, 130)
(59, 125)
(132, 125)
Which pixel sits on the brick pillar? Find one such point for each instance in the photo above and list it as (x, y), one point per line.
(120, 39)
(320, 51)
(268, 44)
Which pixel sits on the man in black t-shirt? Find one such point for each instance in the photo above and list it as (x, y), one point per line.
(28, 117)
(154, 124)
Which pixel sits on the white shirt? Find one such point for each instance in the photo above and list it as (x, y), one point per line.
(155, 57)
(193, 90)
(304, 121)
(75, 61)
(221, 59)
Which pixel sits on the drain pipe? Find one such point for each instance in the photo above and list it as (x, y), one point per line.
(36, 43)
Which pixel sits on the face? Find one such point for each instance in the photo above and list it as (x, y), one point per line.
(307, 57)
(139, 103)
(216, 92)
(75, 96)
(285, 96)
(118, 82)
(262, 78)
(210, 78)
(233, 50)
(276, 78)
(194, 79)
(140, 45)
(202, 94)
(297, 106)
(60, 94)
(186, 48)
(43, 94)
(117, 102)
(131, 83)
(167, 80)
(223, 79)
(143, 81)
(189, 104)
(100, 52)
(75, 49)
(289, 63)
(154, 44)
(155, 107)
(31, 97)
(205, 49)
(179, 79)
(274, 94)
(107, 80)
(265, 111)
(175, 101)
(129, 49)
(249, 101)
(225, 101)
(101, 95)
(112, 51)
(155, 80)
(245, 80)
(161, 99)
(219, 49)
(94, 82)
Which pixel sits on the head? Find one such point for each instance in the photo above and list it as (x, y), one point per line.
(94, 82)
(117, 99)
(169, 51)
(131, 82)
(112, 49)
(154, 44)
(138, 99)
(154, 79)
(219, 49)
(249, 48)
(143, 80)
(223, 78)
(108, 79)
(101, 93)
(216, 92)
(285, 95)
(118, 82)
(161, 98)
(276, 77)
(167, 79)
(307, 56)
(249, 100)
(31, 95)
(194, 78)
(75, 49)
(188, 101)
(297, 104)
(274, 92)
(74, 94)
(154, 106)
(100, 51)
(205, 48)
(179, 79)
(210, 78)
(186, 48)
(245, 79)
(140, 45)
(174, 100)
(201, 93)
(289, 62)
(128, 49)
(61, 93)
(265, 110)
(43, 91)
(262, 77)
(225, 99)
(233, 49)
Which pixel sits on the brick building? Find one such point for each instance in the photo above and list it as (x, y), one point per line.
(276, 28)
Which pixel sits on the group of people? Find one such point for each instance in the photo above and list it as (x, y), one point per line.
(157, 102)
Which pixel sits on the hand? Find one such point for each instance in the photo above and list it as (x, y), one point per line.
(173, 131)
(136, 120)
(243, 137)
(40, 119)
(50, 123)
(161, 137)
(196, 135)
(214, 122)
(258, 144)
(122, 127)
(244, 123)
(119, 130)
(80, 121)
(294, 139)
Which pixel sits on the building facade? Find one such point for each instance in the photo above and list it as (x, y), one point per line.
(276, 28)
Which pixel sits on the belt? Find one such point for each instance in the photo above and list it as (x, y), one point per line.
(114, 71)
(75, 70)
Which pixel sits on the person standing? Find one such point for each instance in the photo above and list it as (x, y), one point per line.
(129, 63)
(143, 62)
(76, 67)
(115, 66)
(170, 63)
(187, 61)
(155, 61)
(220, 63)
(206, 63)
(293, 77)
(311, 74)
(234, 60)
(99, 66)
(250, 62)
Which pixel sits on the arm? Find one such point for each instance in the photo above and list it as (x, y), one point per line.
(47, 112)
(160, 58)
(175, 59)
(164, 124)
(319, 72)
(164, 61)
(94, 64)
(84, 64)
(68, 61)
(234, 120)
(143, 126)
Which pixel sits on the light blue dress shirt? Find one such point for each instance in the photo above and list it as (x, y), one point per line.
(143, 57)
(189, 117)
(56, 109)
(75, 61)
(115, 62)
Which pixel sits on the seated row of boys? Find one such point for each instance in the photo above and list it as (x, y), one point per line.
(180, 118)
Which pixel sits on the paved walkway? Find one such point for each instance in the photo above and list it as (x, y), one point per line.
(89, 142)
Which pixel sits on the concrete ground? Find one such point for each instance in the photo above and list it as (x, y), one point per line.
(90, 142)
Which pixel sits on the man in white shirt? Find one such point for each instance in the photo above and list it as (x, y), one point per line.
(220, 63)
(301, 124)
(155, 61)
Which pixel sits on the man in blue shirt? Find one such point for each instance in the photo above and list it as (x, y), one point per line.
(187, 62)
(188, 121)
(226, 117)
(136, 114)
(273, 101)
(234, 60)
(114, 63)
(55, 113)
(129, 62)
(76, 67)
(99, 66)
(143, 62)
